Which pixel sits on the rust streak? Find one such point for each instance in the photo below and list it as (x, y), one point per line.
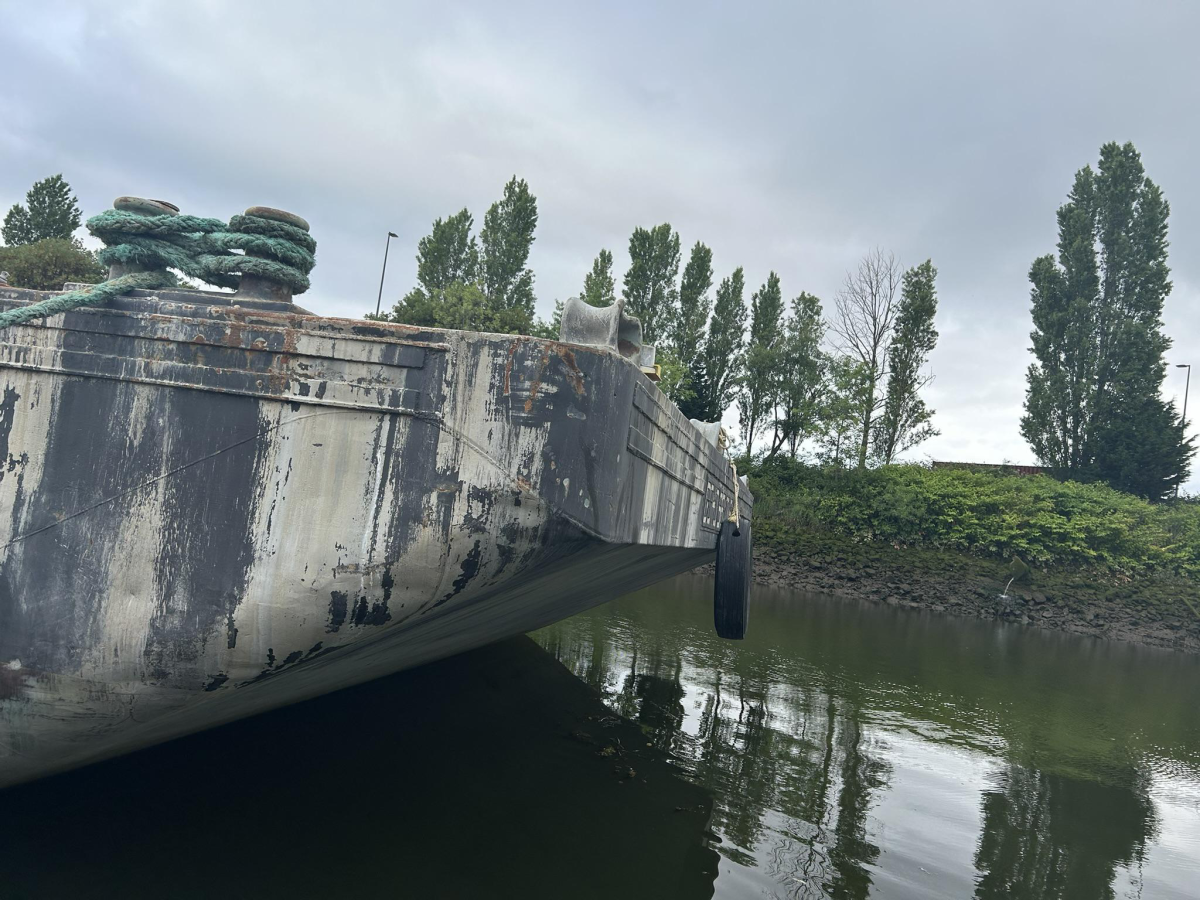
(236, 328)
(279, 374)
(536, 384)
(512, 351)
(290, 339)
(574, 373)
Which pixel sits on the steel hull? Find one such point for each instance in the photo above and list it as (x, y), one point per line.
(211, 509)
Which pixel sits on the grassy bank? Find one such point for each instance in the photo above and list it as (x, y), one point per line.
(1052, 526)
(1096, 562)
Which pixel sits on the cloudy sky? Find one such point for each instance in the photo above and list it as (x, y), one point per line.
(791, 136)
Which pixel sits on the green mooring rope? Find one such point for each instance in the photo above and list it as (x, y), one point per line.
(94, 295)
(159, 242)
(283, 252)
(200, 248)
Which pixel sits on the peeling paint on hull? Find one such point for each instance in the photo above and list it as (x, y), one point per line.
(210, 510)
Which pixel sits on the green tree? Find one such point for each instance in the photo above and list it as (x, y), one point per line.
(1093, 393)
(465, 286)
(416, 308)
(839, 411)
(17, 229)
(695, 404)
(865, 313)
(673, 378)
(50, 211)
(448, 254)
(1143, 449)
(447, 260)
(800, 376)
(651, 293)
(905, 420)
(1060, 393)
(599, 289)
(48, 264)
(718, 372)
(694, 305)
(553, 328)
(506, 239)
(760, 381)
(464, 307)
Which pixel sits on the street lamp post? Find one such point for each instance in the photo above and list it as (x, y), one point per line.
(386, 244)
(1186, 385)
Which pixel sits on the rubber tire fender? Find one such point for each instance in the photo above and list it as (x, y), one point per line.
(735, 572)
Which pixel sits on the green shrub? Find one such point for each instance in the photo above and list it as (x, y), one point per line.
(1047, 523)
(48, 264)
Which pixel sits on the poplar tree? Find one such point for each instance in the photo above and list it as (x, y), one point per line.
(651, 292)
(449, 253)
(762, 358)
(599, 288)
(505, 241)
(905, 419)
(1092, 406)
(694, 304)
(688, 339)
(719, 370)
(800, 376)
(483, 285)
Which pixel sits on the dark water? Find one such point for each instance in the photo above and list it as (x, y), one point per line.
(858, 751)
(481, 776)
(842, 750)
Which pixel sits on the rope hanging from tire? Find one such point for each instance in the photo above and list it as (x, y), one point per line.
(733, 513)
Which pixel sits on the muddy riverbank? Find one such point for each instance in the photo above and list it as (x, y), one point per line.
(1149, 611)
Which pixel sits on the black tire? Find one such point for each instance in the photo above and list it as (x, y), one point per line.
(735, 571)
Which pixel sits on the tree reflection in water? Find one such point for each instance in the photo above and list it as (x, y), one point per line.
(799, 757)
(790, 732)
(1058, 838)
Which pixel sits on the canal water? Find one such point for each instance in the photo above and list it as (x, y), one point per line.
(856, 750)
(842, 750)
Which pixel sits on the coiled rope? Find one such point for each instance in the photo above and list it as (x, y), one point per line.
(200, 248)
(282, 252)
(178, 242)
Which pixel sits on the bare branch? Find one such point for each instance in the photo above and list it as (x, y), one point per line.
(864, 313)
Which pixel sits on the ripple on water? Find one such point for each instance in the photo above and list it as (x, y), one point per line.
(857, 750)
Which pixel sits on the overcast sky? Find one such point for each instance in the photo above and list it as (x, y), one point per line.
(787, 136)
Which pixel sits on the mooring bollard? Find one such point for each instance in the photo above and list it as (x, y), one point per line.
(142, 207)
(258, 287)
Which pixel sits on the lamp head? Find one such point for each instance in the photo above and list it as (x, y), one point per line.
(393, 234)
